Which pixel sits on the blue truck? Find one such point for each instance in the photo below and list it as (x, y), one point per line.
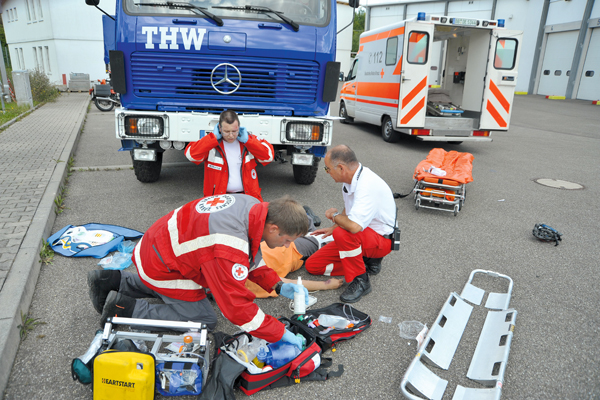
(178, 64)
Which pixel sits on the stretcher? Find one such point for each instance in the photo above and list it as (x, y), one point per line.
(445, 193)
(490, 357)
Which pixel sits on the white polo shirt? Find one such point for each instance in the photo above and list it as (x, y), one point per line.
(369, 201)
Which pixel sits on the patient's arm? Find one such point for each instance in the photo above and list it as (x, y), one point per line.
(331, 283)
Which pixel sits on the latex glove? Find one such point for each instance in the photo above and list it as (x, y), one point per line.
(291, 338)
(288, 290)
(217, 133)
(243, 135)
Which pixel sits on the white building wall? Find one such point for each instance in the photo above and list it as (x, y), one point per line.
(596, 10)
(560, 12)
(70, 30)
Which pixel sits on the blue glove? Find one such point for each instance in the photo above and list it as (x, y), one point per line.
(216, 132)
(288, 290)
(291, 338)
(243, 135)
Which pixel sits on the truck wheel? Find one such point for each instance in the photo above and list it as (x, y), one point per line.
(344, 114)
(306, 174)
(104, 105)
(387, 131)
(147, 171)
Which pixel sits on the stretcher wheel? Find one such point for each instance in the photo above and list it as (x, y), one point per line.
(417, 204)
(456, 208)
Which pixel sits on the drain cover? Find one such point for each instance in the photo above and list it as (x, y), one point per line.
(559, 184)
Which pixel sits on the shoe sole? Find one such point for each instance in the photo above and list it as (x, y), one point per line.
(366, 292)
(109, 299)
(93, 291)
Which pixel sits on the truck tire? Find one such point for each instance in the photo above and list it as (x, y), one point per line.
(104, 105)
(148, 171)
(344, 114)
(387, 131)
(306, 174)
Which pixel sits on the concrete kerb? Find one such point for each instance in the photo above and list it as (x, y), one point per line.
(18, 289)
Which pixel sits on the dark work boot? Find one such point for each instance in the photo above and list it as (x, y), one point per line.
(100, 283)
(310, 213)
(373, 265)
(359, 287)
(117, 305)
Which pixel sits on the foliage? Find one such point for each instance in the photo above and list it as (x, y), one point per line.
(41, 88)
(358, 28)
(46, 254)
(27, 325)
(12, 110)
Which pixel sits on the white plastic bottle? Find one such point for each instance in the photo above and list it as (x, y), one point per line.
(333, 321)
(299, 301)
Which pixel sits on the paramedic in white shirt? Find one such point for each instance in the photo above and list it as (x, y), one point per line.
(361, 230)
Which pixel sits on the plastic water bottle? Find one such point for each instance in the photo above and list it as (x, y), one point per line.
(299, 301)
(333, 321)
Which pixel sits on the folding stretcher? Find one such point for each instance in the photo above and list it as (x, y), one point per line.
(439, 346)
(445, 193)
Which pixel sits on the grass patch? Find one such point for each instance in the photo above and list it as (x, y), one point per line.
(12, 111)
(46, 254)
(27, 325)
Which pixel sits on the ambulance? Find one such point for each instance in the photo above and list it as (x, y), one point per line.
(438, 78)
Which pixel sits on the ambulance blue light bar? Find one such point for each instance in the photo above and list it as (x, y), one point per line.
(421, 16)
(470, 22)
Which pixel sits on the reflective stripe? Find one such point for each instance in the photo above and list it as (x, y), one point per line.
(203, 241)
(215, 157)
(351, 253)
(328, 269)
(260, 264)
(180, 284)
(255, 323)
(249, 157)
(270, 153)
(189, 156)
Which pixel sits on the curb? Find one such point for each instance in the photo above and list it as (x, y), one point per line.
(20, 283)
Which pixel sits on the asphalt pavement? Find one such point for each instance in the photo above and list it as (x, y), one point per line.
(554, 353)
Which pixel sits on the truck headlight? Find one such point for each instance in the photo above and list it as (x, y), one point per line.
(144, 154)
(304, 132)
(144, 126)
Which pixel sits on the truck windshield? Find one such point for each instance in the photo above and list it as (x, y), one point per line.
(303, 12)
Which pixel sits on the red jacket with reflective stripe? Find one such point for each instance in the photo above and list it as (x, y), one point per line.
(211, 242)
(216, 171)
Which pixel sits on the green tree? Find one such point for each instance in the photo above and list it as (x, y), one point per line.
(358, 28)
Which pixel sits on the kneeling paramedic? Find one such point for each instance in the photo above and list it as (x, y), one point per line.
(207, 243)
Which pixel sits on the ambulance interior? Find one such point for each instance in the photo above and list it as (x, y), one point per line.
(464, 57)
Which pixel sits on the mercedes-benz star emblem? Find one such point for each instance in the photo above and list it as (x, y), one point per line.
(224, 68)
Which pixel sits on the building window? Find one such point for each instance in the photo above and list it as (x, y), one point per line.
(48, 59)
(41, 58)
(17, 59)
(28, 11)
(546, 72)
(40, 13)
(33, 17)
(557, 72)
(16, 15)
(589, 73)
(35, 59)
(22, 58)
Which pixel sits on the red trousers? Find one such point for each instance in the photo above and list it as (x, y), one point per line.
(344, 256)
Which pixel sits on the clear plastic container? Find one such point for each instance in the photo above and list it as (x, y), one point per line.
(333, 321)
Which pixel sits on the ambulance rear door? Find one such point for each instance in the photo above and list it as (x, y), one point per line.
(412, 102)
(500, 80)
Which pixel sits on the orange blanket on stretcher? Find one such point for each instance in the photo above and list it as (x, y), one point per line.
(458, 166)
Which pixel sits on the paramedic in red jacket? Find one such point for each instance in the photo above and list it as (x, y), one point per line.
(207, 243)
(229, 154)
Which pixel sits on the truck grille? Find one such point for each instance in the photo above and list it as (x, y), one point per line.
(180, 76)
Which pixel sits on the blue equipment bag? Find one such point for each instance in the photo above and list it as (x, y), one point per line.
(90, 240)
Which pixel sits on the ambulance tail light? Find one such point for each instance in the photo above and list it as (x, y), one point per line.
(420, 132)
(481, 133)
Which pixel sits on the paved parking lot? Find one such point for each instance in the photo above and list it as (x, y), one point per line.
(555, 352)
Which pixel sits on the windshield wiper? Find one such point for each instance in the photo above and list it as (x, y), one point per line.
(267, 9)
(185, 6)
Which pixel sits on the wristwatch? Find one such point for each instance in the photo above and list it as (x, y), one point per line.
(335, 214)
(278, 287)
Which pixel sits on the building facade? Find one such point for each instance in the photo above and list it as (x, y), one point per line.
(561, 38)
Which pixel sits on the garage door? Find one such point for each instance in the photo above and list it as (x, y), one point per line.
(556, 66)
(589, 85)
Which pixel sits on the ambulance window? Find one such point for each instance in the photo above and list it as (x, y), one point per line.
(506, 54)
(352, 73)
(418, 48)
(391, 51)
